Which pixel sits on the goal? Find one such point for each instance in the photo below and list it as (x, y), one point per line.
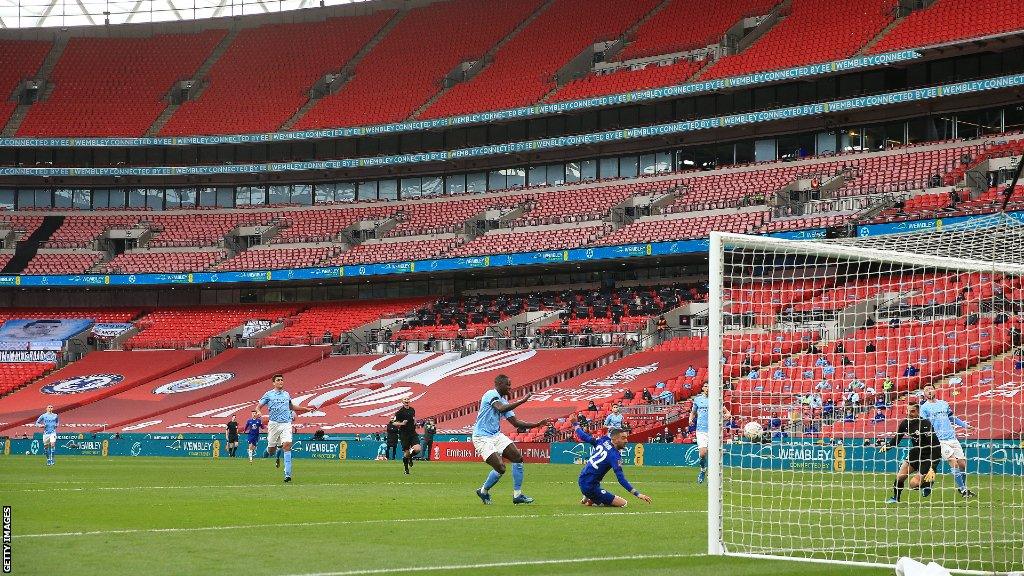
(827, 344)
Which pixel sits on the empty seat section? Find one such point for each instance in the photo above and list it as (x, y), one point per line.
(523, 70)
(444, 217)
(81, 231)
(97, 314)
(950, 20)
(324, 225)
(19, 60)
(690, 24)
(201, 229)
(308, 327)
(265, 75)
(26, 225)
(116, 86)
(526, 240)
(16, 375)
(142, 261)
(812, 31)
(62, 262)
(626, 80)
(277, 258)
(589, 203)
(395, 251)
(191, 326)
(683, 228)
(408, 66)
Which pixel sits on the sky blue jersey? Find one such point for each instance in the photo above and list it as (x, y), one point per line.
(700, 405)
(604, 458)
(48, 421)
(488, 420)
(613, 420)
(280, 404)
(939, 414)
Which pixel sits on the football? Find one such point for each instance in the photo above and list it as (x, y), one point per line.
(753, 430)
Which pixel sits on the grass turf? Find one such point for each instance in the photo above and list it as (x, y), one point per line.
(158, 516)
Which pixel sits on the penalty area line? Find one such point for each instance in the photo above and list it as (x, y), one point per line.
(449, 567)
(347, 523)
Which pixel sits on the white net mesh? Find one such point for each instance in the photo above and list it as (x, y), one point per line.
(827, 345)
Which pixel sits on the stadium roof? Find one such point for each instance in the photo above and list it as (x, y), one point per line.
(60, 13)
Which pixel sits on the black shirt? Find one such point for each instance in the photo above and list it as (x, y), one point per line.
(918, 430)
(409, 416)
(232, 428)
(392, 432)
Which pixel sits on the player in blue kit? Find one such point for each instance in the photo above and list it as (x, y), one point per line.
(605, 457)
(942, 419)
(252, 428)
(493, 446)
(279, 429)
(699, 416)
(49, 421)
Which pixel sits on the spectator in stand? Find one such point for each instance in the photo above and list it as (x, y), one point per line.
(613, 419)
(853, 399)
(855, 385)
(821, 362)
(665, 437)
(628, 395)
(646, 395)
(428, 346)
(591, 407)
(848, 415)
(887, 390)
(662, 328)
(828, 410)
(581, 419)
(870, 347)
(814, 401)
(823, 386)
(840, 347)
(328, 338)
(846, 361)
(789, 362)
(911, 371)
(667, 397)
(778, 374)
(690, 371)
(1018, 359)
(879, 416)
(880, 402)
(549, 433)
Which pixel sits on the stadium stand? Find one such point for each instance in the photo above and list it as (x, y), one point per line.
(13, 376)
(523, 70)
(91, 77)
(952, 20)
(508, 240)
(325, 225)
(19, 60)
(420, 218)
(64, 262)
(310, 325)
(659, 229)
(190, 327)
(812, 31)
(80, 231)
(112, 372)
(120, 314)
(226, 372)
(652, 75)
(266, 73)
(396, 250)
(689, 24)
(408, 66)
(277, 258)
(587, 202)
(142, 261)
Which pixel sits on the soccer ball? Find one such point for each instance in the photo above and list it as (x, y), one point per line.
(753, 430)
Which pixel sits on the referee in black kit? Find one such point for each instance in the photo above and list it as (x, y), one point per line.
(405, 420)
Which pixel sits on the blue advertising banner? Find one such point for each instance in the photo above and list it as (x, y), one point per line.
(862, 102)
(482, 117)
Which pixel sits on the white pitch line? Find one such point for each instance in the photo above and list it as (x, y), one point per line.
(556, 561)
(345, 523)
(232, 486)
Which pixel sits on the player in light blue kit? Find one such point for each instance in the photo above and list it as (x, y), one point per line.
(279, 429)
(605, 457)
(942, 419)
(49, 421)
(492, 445)
(699, 414)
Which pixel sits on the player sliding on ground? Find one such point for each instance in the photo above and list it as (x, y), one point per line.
(492, 445)
(605, 457)
(941, 417)
(279, 429)
(922, 458)
(49, 420)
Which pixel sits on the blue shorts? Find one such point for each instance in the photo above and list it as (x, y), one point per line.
(254, 441)
(597, 495)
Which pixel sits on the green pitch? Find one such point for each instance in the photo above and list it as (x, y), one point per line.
(155, 516)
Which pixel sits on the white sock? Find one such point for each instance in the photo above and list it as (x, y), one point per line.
(517, 493)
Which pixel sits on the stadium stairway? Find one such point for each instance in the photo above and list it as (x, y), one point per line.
(26, 249)
(43, 77)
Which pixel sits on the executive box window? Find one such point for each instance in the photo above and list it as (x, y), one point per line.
(7, 199)
(302, 194)
(367, 191)
(455, 184)
(63, 198)
(432, 186)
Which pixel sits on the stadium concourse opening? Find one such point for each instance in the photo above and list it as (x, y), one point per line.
(655, 287)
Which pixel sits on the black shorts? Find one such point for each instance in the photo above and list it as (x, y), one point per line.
(233, 439)
(922, 461)
(410, 440)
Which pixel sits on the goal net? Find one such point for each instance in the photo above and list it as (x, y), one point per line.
(828, 346)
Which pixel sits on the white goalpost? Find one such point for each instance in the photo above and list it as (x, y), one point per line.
(830, 346)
